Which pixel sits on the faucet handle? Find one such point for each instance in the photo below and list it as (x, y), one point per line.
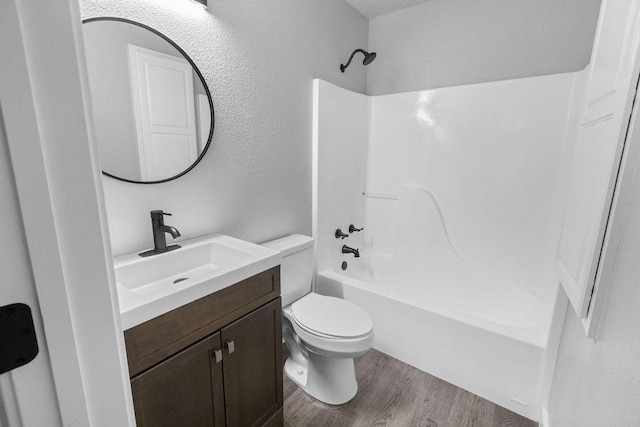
(340, 235)
(352, 228)
(158, 214)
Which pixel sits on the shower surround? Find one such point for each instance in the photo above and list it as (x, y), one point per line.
(460, 191)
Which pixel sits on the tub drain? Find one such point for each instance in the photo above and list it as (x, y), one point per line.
(182, 279)
(344, 265)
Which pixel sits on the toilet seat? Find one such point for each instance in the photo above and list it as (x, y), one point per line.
(322, 341)
(331, 317)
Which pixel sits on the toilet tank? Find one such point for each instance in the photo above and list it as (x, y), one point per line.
(296, 270)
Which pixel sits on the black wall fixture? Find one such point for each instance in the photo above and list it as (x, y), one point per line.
(18, 343)
(368, 58)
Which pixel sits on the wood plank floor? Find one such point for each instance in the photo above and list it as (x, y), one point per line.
(392, 393)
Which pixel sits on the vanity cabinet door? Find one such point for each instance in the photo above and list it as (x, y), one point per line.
(184, 390)
(252, 349)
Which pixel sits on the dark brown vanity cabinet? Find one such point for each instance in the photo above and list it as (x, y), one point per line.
(231, 376)
(186, 389)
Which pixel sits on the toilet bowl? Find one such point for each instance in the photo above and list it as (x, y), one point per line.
(323, 341)
(323, 334)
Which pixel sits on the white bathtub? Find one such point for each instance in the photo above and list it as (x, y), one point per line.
(460, 194)
(489, 335)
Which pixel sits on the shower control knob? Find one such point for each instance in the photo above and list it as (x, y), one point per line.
(353, 228)
(340, 235)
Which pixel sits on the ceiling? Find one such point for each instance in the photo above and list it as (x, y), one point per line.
(373, 8)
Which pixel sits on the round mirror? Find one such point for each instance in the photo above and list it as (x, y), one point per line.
(152, 110)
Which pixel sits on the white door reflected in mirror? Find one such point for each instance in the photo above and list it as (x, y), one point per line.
(164, 110)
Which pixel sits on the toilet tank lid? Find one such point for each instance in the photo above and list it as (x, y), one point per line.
(290, 244)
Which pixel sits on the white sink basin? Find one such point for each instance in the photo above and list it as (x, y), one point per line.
(149, 287)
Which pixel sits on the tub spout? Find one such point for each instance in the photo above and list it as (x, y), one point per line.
(347, 250)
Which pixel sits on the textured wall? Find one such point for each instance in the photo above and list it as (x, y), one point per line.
(444, 43)
(259, 59)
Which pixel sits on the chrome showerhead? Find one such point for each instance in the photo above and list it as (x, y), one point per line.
(368, 58)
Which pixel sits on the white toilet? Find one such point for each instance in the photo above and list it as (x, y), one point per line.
(324, 334)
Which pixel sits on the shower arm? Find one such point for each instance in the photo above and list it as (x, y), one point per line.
(344, 66)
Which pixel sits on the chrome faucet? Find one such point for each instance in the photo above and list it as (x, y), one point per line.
(159, 238)
(347, 250)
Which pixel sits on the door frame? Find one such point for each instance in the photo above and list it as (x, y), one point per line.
(46, 106)
(617, 214)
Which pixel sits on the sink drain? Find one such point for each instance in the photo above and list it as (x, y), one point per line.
(182, 279)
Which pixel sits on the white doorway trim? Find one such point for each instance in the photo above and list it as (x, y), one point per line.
(617, 222)
(45, 99)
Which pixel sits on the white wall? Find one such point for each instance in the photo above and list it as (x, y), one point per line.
(491, 153)
(597, 383)
(341, 134)
(443, 43)
(259, 59)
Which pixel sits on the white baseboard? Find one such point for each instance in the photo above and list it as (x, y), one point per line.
(544, 421)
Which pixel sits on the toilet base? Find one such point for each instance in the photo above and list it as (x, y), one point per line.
(329, 380)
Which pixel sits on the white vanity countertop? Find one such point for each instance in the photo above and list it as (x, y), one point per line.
(150, 287)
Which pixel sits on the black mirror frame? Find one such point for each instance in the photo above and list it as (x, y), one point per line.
(204, 83)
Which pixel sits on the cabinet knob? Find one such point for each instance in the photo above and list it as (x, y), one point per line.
(217, 354)
(231, 346)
